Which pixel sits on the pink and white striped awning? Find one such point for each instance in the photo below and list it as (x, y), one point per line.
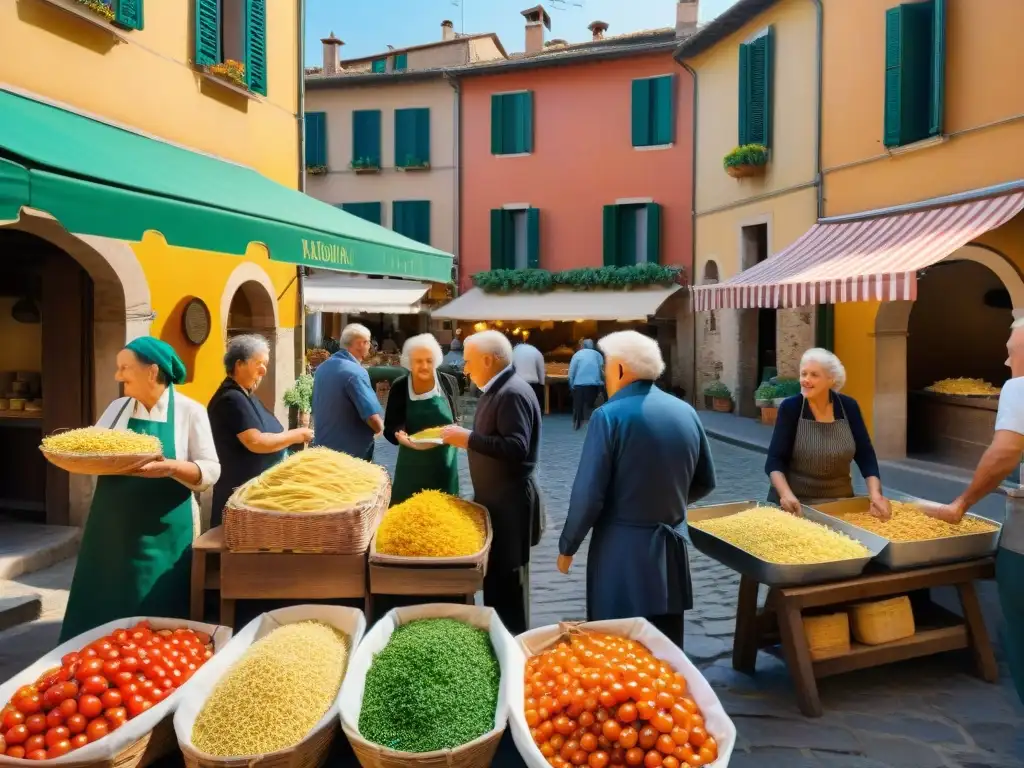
(870, 259)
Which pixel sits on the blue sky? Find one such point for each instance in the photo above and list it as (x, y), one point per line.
(369, 26)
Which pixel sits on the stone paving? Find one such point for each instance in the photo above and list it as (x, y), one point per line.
(930, 713)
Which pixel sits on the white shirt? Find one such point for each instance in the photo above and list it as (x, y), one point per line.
(529, 363)
(494, 378)
(434, 392)
(1010, 417)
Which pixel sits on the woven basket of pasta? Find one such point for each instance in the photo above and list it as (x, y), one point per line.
(317, 500)
(100, 451)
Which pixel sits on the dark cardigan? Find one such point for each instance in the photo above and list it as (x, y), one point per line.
(398, 397)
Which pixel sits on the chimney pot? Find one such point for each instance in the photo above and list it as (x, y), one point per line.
(686, 17)
(331, 54)
(597, 29)
(447, 30)
(537, 20)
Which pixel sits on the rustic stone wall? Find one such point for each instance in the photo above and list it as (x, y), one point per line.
(794, 334)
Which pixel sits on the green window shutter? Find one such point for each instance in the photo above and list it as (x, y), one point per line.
(908, 73)
(497, 124)
(256, 46)
(380, 65)
(610, 235)
(653, 232)
(401, 62)
(207, 33)
(128, 14)
(316, 139)
(744, 96)
(662, 121)
(937, 102)
(627, 235)
(368, 211)
(893, 78)
(524, 103)
(824, 328)
(499, 223)
(412, 136)
(533, 238)
(758, 84)
(422, 135)
(768, 52)
(641, 113)
(412, 219)
(366, 136)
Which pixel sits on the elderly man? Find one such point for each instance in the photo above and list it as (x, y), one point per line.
(502, 455)
(346, 411)
(644, 459)
(529, 364)
(586, 380)
(1002, 455)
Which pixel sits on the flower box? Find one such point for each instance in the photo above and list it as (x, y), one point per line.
(747, 161)
(745, 171)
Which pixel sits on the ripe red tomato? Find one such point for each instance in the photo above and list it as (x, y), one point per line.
(111, 668)
(59, 749)
(89, 668)
(116, 717)
(17, 735)
(35, 723)
(36, 754)
(95, 685)
(90, 706)
(135, 705)
(120, 637)
(54, 718)
(129, 664)
(97, 729)
(12, 717)
(122, 678)
(29, 705)
(111, 698)
(34, 742)
(79, 740)
(76, 723)
(18, 753)
(68, 707)
(54, 735)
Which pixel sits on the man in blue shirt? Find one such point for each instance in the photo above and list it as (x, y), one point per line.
(346, 411)
(586, 380)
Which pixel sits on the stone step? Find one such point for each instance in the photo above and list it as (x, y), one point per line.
(19, 610)
(26, 547)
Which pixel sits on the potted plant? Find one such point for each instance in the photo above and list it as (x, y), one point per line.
(785, 388)
(230, 70)
(413, 163)
(365, 165)
(300, 397)
(764, 397)
(748, 160)
(316, 170)
(99, 8)
(721, 397)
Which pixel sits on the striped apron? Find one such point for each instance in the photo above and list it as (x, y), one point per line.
(822, 453)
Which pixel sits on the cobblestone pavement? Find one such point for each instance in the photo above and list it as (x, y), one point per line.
(930, 713)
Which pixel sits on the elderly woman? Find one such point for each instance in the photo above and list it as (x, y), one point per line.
(136, 551)
(586, 380)
(818, 433)
(249, 438)
(423, 399)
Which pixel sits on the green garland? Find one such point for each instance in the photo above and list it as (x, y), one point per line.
(584, 279)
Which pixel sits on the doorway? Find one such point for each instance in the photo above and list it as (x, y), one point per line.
(757, 327)
(252, 311)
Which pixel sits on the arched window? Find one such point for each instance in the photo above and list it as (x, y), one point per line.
(711, 278)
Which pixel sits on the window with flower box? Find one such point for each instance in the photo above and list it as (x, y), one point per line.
(231, 41)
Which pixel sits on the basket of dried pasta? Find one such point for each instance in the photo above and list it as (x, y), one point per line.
(100, 451)
(317, 500)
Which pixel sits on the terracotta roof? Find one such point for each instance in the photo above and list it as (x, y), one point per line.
(459, 38)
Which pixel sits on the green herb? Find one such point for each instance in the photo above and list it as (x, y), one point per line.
(748, 154)
(300, 396)
(717, 389)
(586, 278)
(786, 387)
(433, 686)
(765, 392)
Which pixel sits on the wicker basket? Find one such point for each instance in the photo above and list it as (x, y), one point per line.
(883, 621)
(156, 744)
(345, 531)
(828, 635)
(308, 754)
(478, 753)
(100, 464)
(412, 562)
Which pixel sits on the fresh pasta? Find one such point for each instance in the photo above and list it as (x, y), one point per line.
(908, 523)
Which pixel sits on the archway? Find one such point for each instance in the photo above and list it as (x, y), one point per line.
(252, 309)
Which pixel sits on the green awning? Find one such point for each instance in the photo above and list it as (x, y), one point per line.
(97, 179)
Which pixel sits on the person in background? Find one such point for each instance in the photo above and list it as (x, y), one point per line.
(389, 346)
(136, 552)
(453, 363)
(346, 411)
(818, 433)
(502, 450)
(1003, 454)
(645, 458)
(249, 438)
(586, 380)
(423, 399)
(529, 364)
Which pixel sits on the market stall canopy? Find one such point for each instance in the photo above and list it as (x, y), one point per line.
(862, 258)
(98, 179)
(330, 292)
(636, 304)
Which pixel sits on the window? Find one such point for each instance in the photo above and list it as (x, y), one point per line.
(512, 123)
(412, 219)
(915, 71)
(412, 137)
(366, 138)
(756, 90)
(127, 13)
(368, 211)
(316, 139)
(515, 238)
(379, 65)
(401, 62)
(653, 115)
(236, 31)
(632, 234)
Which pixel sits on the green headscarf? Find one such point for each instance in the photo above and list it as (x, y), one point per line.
(161, 354)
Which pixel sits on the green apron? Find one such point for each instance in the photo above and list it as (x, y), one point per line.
(136, 552)
(435, 468)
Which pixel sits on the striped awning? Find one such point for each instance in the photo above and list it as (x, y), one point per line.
(864, 260)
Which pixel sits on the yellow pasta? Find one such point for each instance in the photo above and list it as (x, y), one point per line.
(99, 441)
(963, 387)
(779, 537)
(431, 433)
(908, 523)
(431, 524)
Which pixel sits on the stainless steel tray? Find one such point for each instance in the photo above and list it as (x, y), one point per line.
(775, 574)
(901, 555)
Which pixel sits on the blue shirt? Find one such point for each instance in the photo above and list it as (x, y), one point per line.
(343, 399)
(586, 369)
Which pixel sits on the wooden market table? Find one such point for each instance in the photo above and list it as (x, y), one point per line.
(549, 382)
(439, 581)
(269, 576)
(939, 631)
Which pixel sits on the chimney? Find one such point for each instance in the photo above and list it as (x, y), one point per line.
(597, 29)
(332, 54)
(447, 30)
(536, 21)
(686, 17)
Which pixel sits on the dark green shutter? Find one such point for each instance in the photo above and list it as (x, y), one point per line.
(893, 77)
(421, 217)
(380, 65)
(525, 110)
(758, 83)
(532, 238)
(938, 91)
(610, 235)
(316, 139)
(641, 114)
(627, 235)
(256, 46)
(366, 136)
(207, 33)
(412, 136)
(768, 53)
(824, 328)
(497, 124)
(908, 73)
(128, 14)
(368, 211)
(744, 94)
(653, 232)
(499, 223)
(662, 110)
(422, 134)
(401, 62)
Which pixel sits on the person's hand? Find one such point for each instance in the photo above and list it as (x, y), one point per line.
(303, 435)
(880, 507)
(948, 513)
(564, 563)
(457, 436)
(791, 504)
(403, 440)
(159, 468)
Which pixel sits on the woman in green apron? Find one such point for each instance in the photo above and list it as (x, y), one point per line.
(136, 549)
(423, 399)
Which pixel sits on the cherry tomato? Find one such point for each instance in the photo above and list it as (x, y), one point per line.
(611, 730)
(54, 718)
(634, 756)
(598, 760)
(88, 668)
(35, 723)
(25, 690)
(135, 705)
(670, 761)
(79, 740)
(76, 723)
(18, 753)
(111, 668)
(54, 735)
(698, 736)
(29, 705)
(648, 737)
(70, 658)
(95, 685)
(665, 744)
(626, 713)
(176, 677)
(36, 754)
(122, 678)
(59, 749)
(116, 717)
(202, 637)
(156, 695)
(628, 737)
(12, 717)
(120, 637)
(129, 664)
(34, 742)
(111, 698)
(90, 706)
(129, 690)
(89, 653)
(17, 735)
(652, 759)
(97, 729)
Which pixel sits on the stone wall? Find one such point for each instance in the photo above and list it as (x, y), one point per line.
(794, 334)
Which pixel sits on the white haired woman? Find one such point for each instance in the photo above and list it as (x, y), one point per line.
(249, 438)
(425, 398)
(818, 433)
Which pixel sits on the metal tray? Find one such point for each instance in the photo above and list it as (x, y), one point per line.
(775, 574)
(901, 555)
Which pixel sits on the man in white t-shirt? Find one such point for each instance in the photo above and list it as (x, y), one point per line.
(529, 364)
(1002, 455)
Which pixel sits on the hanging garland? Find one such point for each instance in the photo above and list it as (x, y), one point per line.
(583, 279)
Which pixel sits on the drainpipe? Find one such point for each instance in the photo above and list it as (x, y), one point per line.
(300, 331)
(693, 225)
(457, 155)
(819, 178)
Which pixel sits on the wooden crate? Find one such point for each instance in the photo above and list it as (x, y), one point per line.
(420, 580)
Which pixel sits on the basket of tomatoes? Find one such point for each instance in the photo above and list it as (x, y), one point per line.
(104, 699)
(614, 693)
